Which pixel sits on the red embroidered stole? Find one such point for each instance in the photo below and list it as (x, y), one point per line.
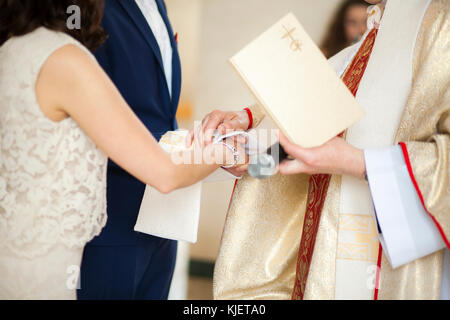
(318, 184)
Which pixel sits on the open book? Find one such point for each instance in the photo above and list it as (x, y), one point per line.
(295, 84)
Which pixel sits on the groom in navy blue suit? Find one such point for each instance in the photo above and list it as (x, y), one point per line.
(121, 263)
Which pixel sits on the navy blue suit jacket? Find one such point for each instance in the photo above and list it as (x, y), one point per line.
(132, 59)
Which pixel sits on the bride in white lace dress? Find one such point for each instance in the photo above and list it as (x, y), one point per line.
(60, 117)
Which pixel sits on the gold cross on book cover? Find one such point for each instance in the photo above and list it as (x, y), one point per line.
(298, 88)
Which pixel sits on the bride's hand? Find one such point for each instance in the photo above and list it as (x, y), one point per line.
(231, 153)
(334, 157)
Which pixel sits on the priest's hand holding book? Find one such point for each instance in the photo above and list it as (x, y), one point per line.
(336, 156)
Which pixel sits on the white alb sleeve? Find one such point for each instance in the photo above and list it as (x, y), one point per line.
(406, 231)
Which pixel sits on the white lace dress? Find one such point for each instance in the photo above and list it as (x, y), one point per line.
(52, 180)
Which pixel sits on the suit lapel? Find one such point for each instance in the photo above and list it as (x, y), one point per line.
(163, 12)
(139, 20)
(141, 23)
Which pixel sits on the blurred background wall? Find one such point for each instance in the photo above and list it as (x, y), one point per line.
(209, 33)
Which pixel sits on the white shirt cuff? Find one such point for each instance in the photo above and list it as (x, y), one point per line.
(407, 232)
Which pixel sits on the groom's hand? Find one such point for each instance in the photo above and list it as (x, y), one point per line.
(222, 121)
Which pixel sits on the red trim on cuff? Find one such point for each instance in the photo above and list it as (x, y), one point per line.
(377, 279)
(416, 185)
(250, 118)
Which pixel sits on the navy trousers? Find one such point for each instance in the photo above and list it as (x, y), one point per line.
(143, 271)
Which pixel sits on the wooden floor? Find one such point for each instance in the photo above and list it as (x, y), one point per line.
(200, 289)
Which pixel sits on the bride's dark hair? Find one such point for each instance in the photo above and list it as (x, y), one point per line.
(19, 17)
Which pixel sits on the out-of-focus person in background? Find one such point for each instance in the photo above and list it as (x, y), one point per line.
(346, 28)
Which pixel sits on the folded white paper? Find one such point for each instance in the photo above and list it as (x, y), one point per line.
(171, 216)
(176, 215)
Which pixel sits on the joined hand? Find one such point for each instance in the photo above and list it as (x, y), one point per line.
(222, 121)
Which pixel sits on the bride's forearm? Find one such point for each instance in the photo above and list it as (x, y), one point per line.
(190, 167)
(94, 103)
(182, 171)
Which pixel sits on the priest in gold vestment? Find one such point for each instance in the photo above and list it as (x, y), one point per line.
(366, 216)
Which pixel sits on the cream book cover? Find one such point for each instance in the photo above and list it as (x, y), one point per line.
(293, 81)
